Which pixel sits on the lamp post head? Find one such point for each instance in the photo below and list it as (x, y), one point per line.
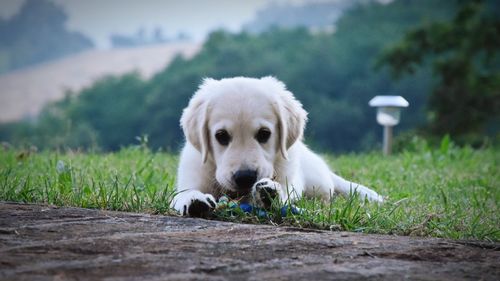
(388, 109)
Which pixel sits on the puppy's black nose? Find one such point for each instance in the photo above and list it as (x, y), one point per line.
(245, 179)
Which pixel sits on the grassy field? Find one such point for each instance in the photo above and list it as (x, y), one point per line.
(444, 192)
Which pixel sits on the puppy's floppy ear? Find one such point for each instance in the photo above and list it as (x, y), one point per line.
(194, 121)
(292, 117)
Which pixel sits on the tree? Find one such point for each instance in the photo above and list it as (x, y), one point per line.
(465, 56)
(37, 33)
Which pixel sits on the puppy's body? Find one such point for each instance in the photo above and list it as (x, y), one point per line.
(244, 136)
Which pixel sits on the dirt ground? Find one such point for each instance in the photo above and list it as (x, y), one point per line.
(47, 243)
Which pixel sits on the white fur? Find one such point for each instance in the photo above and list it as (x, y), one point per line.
(242, 106)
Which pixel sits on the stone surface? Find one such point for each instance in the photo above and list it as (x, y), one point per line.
(47, 243)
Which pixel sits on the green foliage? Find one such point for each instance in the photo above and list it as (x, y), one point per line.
(443, 192)
(111, 109)
(332, 74)
(465, 54)
(37, 34)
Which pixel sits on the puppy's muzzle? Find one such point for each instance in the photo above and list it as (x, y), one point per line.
(245, 179)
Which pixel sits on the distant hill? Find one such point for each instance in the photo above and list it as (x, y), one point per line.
(23, 93)
(313, 15)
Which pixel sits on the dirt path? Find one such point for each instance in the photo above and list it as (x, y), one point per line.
(43, 243)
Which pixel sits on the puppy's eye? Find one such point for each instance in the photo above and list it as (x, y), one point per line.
(263, 135)
(223, 137)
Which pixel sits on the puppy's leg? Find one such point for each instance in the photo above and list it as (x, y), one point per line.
(194, 203)
(321, 181)
(192, 182)
(346, 187)
(265, 191)
(288, 185)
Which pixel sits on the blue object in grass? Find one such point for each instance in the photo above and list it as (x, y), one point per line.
(261, 213)
(245, 207)
(285, 210)
(293, 210)
(248, 208)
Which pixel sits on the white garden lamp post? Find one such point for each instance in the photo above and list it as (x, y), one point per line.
(388, 113)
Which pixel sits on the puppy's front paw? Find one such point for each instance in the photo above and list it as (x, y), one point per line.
(194, 203)
(265, 191)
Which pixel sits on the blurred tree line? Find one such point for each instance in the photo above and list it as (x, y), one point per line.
(333, 74)
(316, 15)
(465, 100)
(140, 38)
(37, 33)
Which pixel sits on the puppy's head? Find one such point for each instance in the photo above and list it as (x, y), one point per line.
(243, 126)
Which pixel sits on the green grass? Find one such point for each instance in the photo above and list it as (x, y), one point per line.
(445, 192)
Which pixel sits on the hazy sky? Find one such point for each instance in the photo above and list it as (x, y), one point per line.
(99, 18)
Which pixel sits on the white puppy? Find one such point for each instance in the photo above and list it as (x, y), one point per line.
(244, 139)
